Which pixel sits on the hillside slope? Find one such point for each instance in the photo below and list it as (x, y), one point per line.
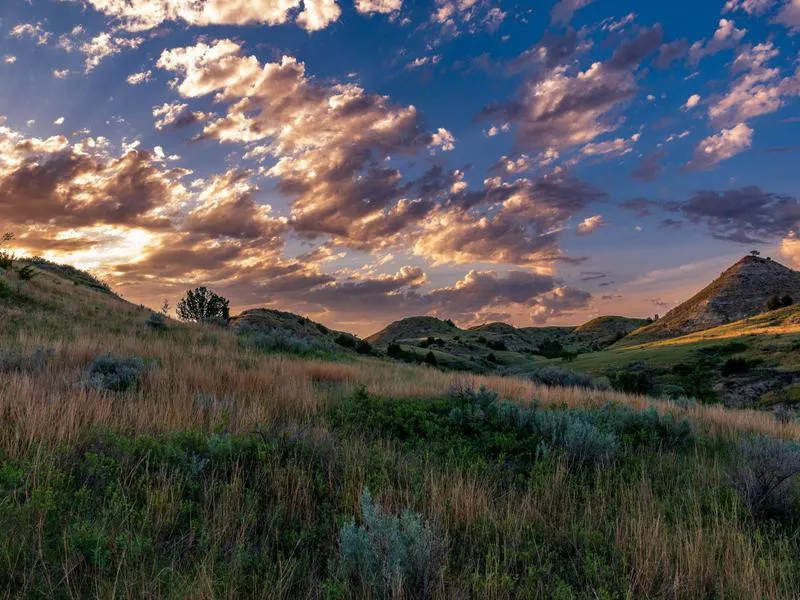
(739, 292)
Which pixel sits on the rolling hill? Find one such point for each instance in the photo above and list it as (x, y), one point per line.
(739, 292)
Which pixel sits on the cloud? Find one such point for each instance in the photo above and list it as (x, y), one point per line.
(563, 107)
(561, 301)
(9, 59)
(330, 143)
(745, 215)
(34, 31)
(454, 16)
(139, 78)
(615, 147)
(759, 90)
(649, 168)
(59, 121)
(104, 45)
(790, 248)
(691, 102)
(670, 52)
(726, 36)
(143, 15)
(590, 224)
(639, 206)
(522, 230)
(721, 146)
(562, 12)
(789, 15)
(378, 6)
(751, 7)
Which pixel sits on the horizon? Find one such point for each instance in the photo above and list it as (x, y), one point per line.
(362, 162)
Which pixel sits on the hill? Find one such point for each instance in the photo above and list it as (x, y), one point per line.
(176, 461)
(738, 293)
(412, 328)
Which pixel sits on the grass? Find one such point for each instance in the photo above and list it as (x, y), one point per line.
(229, 473)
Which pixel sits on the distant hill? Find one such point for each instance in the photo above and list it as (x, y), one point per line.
(739, 292)
(412, 328)
(268, 319)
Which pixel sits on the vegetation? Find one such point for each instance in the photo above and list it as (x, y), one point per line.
(202, 465)
(776, 302)
(202, 305)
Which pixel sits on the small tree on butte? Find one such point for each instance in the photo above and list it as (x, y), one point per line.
(202, 304)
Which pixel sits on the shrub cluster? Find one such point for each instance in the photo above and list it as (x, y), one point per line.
(156, 322)
(555, 376)
(12, 361)
(114, 373)
(277, 340)
(763, 473)
(390, 555)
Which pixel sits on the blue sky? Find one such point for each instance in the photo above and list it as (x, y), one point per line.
(535, 162)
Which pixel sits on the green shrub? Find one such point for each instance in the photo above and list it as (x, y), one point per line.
(390, 555)
(12, 361)
(496, 345)
(763, 473)
(156, 322)
(5, 289)
(277, 340)
(735, 366)
(554, 376)
(26, 272)
(114, 373)
(636, 378)
(345, 340)
(364, 347)
(202, 305)
(430, 358)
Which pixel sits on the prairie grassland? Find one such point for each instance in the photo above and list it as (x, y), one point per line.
(224, 475)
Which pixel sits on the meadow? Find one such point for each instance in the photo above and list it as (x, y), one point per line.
(207, 468)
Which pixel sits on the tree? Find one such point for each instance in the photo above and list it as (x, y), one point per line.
(430, 358)
(165, 308)
(755, 253)
(202, 305)
(6, 258)
(774, 302)
(786, 300)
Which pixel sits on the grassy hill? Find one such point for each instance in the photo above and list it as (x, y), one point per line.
(740, 292)
(140, 459)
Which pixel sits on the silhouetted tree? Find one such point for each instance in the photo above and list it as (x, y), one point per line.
(755, 253)
(430, 358)
(202, 305)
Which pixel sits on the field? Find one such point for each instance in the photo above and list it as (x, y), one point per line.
(220, 471)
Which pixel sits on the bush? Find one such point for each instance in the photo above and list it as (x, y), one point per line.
(322, 329)
(775, 302)
(554, 376)
(5, 290)
(390, 555)
(430, 358)
(763, 473)
(26, 273)
(636, 378)
(345, 341)
(12, 361)
(364, 347)
(499, 345)
(550, 349)
(156, 322)
(6, 258)
(492, 358)
(735, 366)
(394, 350)
(115, 374)
(276, 340)
(202, 305)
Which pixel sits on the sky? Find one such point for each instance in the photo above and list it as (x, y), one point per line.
(360, 161)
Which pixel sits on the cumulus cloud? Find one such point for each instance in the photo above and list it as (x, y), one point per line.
(143, 15)
(560, 302)
(565, 107)
(139, 78)
(746, 215)
(329, 142)
(759, 90)
(9, 59)
(590, 224)
(562, 12)
(472, 15)
(751, 7)
(721, 146)
(378, 6)
(615, 147)
(726, 36)
(691, 102)
(34, 31)
(790, 248)
(789, 15)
